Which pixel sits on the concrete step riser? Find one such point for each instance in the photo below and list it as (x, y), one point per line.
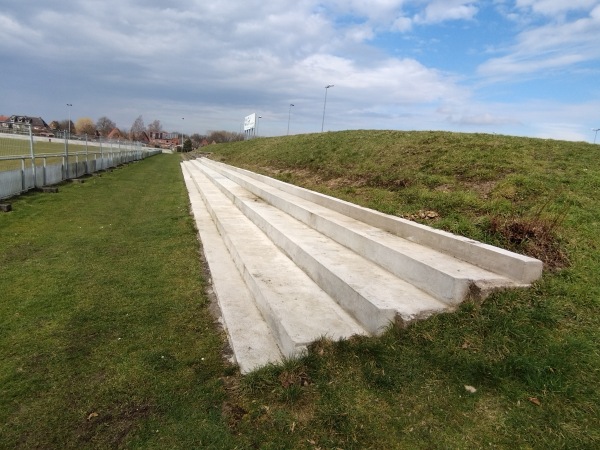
(324, 272)
(249, 336)
(287, 345)
(267, 293)
(309, 266)
(444, 287)
(522, 269)
(373, 319)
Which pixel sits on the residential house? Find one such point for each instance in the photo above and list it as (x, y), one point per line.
(18, 123)
(116, 135)
(162, 139)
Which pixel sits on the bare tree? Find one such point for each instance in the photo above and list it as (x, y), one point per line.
(137, 129)
(197, 139)
(155, 127)
(224, 136)
(104, 126)
(85, 125)
(64, 126)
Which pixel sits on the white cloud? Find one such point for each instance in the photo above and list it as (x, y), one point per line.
(479, 119)
(402, 24)
(555, 7)
(360, 33)
(537, 118)
(395, 81)
(374, 11)
(213, 62)
(553, 45)
(443, 10)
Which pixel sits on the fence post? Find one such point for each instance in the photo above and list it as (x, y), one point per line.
(33, 167)
(23, 174)
(66, 158)
(87, 171)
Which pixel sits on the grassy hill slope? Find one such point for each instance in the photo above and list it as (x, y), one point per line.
(533, 356)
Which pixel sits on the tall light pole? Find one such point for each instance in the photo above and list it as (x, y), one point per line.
(69, 105)
(324, 105)
(595, 130)
(183, 118)
(289, 115)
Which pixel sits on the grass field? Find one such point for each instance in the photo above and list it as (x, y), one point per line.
(11, 147)
(107, 341)
(105, 336)
(15, 147)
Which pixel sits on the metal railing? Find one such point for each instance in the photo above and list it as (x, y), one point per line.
(29, 162)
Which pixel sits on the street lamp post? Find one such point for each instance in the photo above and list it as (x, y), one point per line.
(183, 118)
(324, 105)
(289, 115)
(595, 130)
(69, 105)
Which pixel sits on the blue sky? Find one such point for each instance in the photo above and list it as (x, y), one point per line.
(519, 67)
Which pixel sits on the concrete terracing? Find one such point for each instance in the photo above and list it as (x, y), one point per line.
(290, 266)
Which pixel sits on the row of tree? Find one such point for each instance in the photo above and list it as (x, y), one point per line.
(213, 137)
(104, 126)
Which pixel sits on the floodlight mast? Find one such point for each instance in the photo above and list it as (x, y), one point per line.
(69, 105)
(324, 105)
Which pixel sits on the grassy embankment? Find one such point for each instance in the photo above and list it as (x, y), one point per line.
(533, 355)
(106, 339)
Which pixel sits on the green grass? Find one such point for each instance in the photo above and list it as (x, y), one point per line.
(48, 147)
(105, 336)
(11, 147)
(468, 179)
(532, 355)
(106, 339)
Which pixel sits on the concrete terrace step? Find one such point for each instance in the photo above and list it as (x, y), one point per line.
(374, 296)
(308, 265)
(445, 277)
(296, 310)
(251, 341)
(522, 269)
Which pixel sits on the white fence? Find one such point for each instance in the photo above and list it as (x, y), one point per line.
(29, 162)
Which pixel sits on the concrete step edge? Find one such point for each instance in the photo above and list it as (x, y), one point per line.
(286, 297)
(249, 335)
(374, 296)
(442, 276)
(522, 269)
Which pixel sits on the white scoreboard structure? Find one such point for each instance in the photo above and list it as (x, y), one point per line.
(250, 126)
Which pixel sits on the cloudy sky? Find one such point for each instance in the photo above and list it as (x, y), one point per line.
(520, 67)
